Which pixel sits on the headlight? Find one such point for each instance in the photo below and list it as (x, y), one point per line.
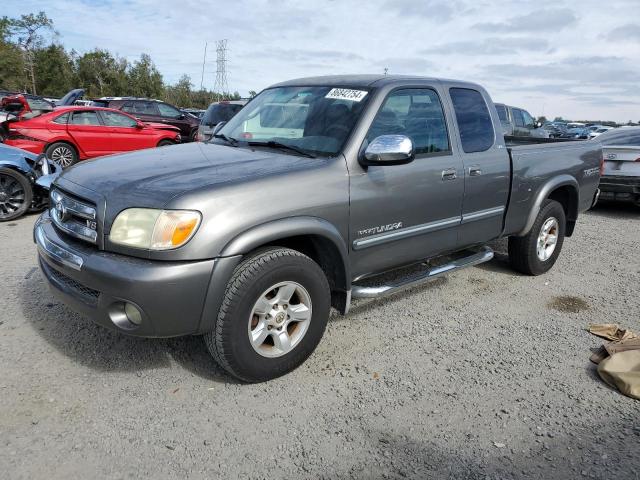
(154, 229)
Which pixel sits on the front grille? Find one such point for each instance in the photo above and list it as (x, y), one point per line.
(88, 295)
(75, 217)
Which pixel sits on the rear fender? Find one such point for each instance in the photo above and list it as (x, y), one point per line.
(543, 194)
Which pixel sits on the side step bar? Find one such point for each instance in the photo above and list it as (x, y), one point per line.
(484, 255)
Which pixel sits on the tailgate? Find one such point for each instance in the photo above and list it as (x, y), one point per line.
(621, 160)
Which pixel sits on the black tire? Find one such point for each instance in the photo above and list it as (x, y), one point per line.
(229, 342)
(165, 143)
(16, 194)
(62, 154)
(3, 134)
(523, 254)
(193, 136)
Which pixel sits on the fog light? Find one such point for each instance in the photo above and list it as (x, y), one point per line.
(125, 315)
(133, 314)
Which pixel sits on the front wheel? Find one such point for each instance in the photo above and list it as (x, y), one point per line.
(273, 315)
(537, 252)
(164, 143)
(15, 194)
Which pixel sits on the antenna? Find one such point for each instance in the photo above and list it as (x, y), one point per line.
(221, 86)
(204, 60)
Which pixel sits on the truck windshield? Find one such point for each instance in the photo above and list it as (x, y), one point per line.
(316, 120)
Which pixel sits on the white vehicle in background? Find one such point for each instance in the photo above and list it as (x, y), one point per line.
(599, 131)
(620, 178)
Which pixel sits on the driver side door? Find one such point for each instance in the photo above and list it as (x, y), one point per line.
(401, 214)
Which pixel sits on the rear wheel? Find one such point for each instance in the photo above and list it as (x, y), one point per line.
(537, 252)
(273, 315)
(15, 194)
(62, 154)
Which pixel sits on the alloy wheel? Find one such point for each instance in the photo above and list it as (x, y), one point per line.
(547, 239)
(62, 156)
(279, 319)
(12, 195)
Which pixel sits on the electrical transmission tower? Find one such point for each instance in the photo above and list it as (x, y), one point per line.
(221, 86)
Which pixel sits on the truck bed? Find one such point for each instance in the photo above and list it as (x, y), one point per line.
(534, 165)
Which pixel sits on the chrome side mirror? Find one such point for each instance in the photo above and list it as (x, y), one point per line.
(389, 150)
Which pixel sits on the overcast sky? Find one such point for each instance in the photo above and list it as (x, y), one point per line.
(576, 59)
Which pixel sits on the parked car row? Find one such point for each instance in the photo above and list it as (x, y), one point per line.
(517, 122)
(102, 126)
(69, 134)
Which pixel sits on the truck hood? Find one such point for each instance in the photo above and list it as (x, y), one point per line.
(151, 178)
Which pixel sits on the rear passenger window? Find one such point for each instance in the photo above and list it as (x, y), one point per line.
(502, 113)
(85, 118)
(62, 119)
(518, 117)
(474, 121)
(416, 113)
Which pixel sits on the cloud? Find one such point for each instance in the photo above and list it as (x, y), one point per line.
(624, 33)
(489, 46)
(436, 10)
(530, 53)
(581, 70)
(537, 21)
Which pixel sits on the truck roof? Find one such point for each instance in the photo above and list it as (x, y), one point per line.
(366, 81)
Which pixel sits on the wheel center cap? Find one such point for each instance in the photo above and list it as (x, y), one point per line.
(280, 317)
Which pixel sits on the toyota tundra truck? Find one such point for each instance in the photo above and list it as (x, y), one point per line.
(314, 188)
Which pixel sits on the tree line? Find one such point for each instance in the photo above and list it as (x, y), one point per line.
(32, 60)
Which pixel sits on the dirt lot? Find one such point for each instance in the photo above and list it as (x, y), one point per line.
(484, 374)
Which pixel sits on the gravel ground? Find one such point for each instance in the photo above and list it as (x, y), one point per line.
(483, 374)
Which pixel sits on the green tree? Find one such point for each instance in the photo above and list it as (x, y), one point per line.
(55, 71)
(144, 78)
(28, 31)
(11, 63)
(252, 93)
(102, 74)
(180, 93)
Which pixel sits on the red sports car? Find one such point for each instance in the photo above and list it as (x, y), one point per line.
(69, 134)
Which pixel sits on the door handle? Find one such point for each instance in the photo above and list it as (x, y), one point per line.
(475, 171)
(449, 174)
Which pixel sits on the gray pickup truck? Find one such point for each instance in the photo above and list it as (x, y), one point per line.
(314, 186)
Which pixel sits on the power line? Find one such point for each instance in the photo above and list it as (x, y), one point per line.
(221, 86)
(204, 61)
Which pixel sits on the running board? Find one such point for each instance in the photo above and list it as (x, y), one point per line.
(484, 255)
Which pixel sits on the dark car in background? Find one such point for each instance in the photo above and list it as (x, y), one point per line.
(154, 111)
(24, 182)
(216, 113)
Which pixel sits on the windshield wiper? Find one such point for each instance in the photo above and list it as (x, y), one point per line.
(231, 141)
(282, 146)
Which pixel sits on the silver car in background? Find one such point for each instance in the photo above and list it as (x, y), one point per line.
(621, 175)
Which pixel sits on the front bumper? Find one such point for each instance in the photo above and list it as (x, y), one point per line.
(170, 296)
(621, 188)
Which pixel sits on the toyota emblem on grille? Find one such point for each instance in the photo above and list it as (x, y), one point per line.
(61, 211)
